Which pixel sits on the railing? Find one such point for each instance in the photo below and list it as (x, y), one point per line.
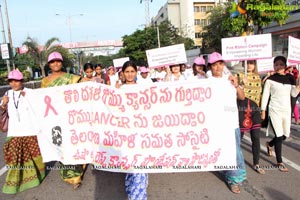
(30, 84)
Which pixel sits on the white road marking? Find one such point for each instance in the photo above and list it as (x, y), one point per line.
(3, 170)
(285, 160)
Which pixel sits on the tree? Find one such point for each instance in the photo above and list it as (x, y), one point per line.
(215, 31)
(257, 13)
(234, 19)
(39, 53)
(136, 44)
(104, 60)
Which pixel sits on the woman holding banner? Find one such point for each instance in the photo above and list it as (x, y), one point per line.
(233, 178)
(135, 183)
(69, 173)
(249, 109)
(279, 88)
(174, 73)
(21, 149)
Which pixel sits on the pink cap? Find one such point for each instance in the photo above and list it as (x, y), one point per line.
(111, 67)
(15, 75)
(54, 56)
(143, 69)
(214, 57)
(199, 61)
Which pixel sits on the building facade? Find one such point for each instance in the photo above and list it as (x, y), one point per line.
(188, 16)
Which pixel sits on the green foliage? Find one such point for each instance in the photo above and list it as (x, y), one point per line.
(3, 77)
(216, 30)
(26, 75)
(136, 44)
(23, 60)
(104, 60)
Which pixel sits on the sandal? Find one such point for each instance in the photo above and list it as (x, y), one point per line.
(235, 189)
(259, 170)
(269, 149)
(282, 167)
(76, 186)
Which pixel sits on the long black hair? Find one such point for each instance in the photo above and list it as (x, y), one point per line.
(129, 64)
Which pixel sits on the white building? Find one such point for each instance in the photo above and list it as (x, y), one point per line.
(189, 16)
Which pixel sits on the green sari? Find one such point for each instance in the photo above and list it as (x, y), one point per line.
(69, 173)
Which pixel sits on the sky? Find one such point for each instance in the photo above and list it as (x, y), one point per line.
(101, 19)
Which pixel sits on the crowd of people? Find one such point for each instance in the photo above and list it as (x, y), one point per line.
(255, 99)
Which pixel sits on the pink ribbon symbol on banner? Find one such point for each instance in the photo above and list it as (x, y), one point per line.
(47, 100)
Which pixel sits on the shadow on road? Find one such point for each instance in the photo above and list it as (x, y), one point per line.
(109, 185)
(277, 195)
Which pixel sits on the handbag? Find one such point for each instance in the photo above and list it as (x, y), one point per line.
(3, 120)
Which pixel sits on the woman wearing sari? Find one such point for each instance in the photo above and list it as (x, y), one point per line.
(24, 163)
(69, 173)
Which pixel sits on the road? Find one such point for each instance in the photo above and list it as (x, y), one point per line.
(100, 185)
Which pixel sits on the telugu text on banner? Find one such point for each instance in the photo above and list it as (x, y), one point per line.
(164, 127)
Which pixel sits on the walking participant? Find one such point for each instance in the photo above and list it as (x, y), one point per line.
(233, 178)
(88, 69)
(249, 110)
(112, 76)
(143, 78)
(174, 73)
(100, 76)
(21, 153)
(135, 183)
(279, 89)
(199, 68)
(186, 71)
(69, 173)
(158, 74)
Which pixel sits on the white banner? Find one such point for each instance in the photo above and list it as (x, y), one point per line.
(137, 128)
(5, 51)
(265, 65)
(166, 56)
(120, 61)
(247, 47)
(294, 50)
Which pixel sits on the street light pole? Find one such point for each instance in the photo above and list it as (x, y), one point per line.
(158, 39)
(69, 17)
(4, 38)
(8, 31)
(70, 34)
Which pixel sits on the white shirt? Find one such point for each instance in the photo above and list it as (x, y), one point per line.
(141, 80)
(160, 76)
(21, 121)
(113, 79)
(188, 73)
(173, 78)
